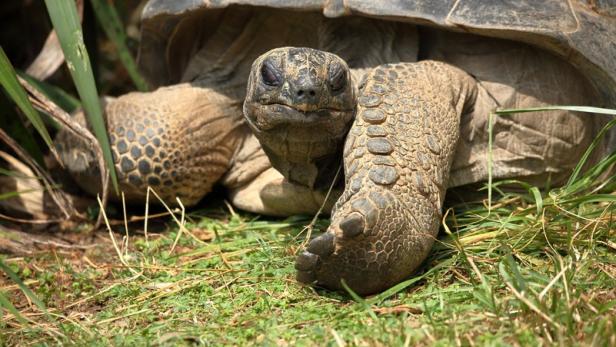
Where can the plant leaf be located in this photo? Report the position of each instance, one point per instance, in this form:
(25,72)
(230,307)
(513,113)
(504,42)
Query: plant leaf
(587,109)
(4,302)
(65,21)
(63,99)
(538,200)
(109,20)
(11,85)
(24,288)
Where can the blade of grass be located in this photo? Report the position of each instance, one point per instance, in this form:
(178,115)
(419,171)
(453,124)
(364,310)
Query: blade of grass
(24,288)
(377,299)
(69,123)
(4,196)
(65,21)
(538,200)
(591,148)
(358,299)
(8,79)
(50,57)
(63,99)
(490,134)
(11,173)
(109,20)
(58,196)
(4,302)
(587,109)
(15,125)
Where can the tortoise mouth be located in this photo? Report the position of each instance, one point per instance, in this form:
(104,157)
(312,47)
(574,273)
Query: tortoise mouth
(265,117)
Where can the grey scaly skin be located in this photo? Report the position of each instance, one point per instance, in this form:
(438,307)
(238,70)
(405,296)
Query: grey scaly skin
(397,156)
(300,104)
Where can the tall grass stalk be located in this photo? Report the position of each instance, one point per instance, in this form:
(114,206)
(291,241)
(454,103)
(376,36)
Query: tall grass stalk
(16,92)
(65,21)
(109,20)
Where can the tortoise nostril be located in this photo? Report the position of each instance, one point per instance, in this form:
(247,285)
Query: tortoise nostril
(303,93)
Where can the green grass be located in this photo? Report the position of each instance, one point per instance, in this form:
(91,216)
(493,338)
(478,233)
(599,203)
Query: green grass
(537,268)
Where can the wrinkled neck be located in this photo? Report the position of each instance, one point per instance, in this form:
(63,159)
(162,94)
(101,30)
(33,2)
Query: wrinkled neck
(307,152)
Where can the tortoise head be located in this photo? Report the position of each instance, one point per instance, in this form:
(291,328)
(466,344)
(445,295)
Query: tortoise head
(300,104)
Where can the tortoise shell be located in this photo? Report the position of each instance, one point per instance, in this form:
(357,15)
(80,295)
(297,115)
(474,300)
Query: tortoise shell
(582,32)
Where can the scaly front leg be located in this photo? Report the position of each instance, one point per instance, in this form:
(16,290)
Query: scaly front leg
(177,140)
(397,158)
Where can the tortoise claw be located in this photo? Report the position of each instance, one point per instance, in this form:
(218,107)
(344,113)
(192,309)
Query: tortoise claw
(323,245)
(306,277)
(352,225)
(306,261)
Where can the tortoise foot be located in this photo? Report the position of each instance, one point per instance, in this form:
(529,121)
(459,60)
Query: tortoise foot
(397,157)
(367,245)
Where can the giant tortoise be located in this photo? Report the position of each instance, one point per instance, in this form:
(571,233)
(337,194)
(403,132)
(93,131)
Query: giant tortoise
(268,97)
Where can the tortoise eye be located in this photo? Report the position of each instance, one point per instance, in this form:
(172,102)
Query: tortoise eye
(270,75)
(337,78)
